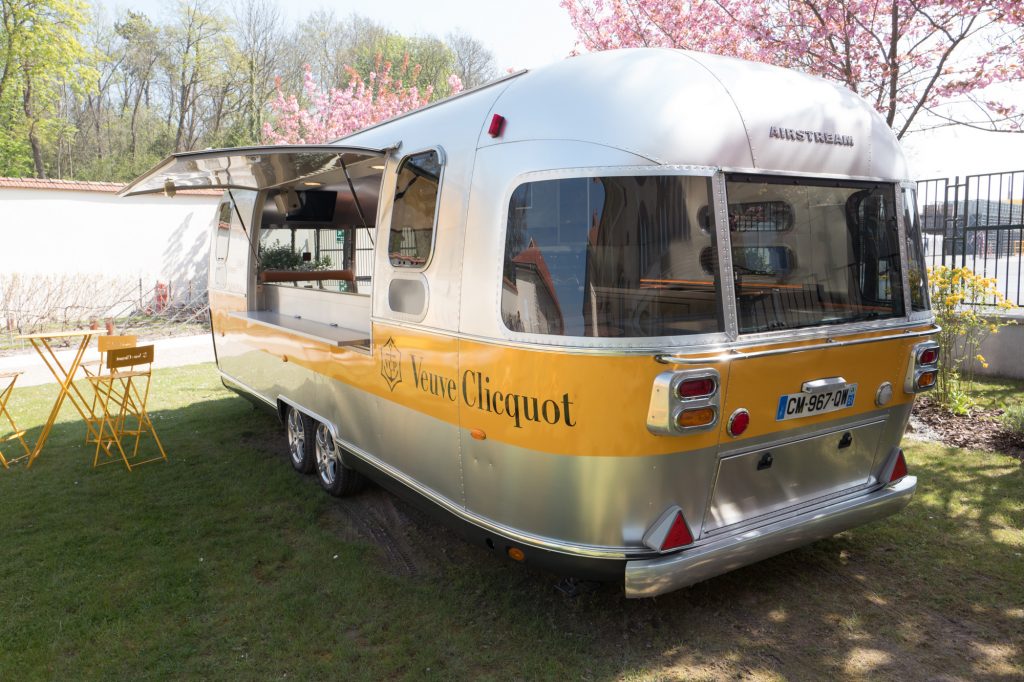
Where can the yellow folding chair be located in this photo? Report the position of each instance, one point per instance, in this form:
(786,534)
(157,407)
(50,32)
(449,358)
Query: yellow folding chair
(122,393)
(7,380)
(104,344)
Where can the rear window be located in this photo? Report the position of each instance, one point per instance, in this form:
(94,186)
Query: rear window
(836,261)
(610,257)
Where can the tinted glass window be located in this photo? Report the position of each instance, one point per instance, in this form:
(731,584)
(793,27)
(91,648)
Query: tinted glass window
(918,269)
(412,218)
(610,257)
(223,230)
(838,262)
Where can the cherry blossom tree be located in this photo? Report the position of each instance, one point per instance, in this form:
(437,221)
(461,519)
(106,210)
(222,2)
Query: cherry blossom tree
(325,115)
(921,63)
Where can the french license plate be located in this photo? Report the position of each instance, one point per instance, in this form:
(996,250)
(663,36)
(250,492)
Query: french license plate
(796,405)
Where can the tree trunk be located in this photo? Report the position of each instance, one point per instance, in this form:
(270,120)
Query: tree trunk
(37,152)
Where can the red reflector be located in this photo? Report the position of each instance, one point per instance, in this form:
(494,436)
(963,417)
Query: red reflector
(497,125)
(929,356)
(738,422)
(696,388)
(678,534)
(900,470)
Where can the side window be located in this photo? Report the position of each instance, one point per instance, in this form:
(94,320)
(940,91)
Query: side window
(415,210)
(223,231)
(915,253)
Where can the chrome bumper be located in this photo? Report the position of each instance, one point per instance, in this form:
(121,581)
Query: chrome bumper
(651,577)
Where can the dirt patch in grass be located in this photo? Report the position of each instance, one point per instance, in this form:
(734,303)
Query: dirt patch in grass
(407,542)
(980,429)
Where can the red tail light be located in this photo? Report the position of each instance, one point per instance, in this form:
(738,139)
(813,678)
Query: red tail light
(695,388)
(900,470)
(738,422)
(929,356)
(678,535)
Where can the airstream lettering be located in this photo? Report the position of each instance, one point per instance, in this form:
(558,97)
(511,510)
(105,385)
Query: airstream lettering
(602,316)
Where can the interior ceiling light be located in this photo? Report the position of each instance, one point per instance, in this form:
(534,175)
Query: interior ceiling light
(311,184)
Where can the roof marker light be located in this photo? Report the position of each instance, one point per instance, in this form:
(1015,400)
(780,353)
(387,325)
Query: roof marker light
(497,126)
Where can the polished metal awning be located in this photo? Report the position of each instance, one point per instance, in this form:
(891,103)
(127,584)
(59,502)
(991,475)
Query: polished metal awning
(251,168)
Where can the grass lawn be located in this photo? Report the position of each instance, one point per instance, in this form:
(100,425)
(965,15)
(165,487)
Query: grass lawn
(224,564)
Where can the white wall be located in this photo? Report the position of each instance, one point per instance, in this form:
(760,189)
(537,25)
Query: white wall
(155,238)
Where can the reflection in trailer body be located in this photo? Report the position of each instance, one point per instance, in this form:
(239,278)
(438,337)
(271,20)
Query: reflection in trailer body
(656,323)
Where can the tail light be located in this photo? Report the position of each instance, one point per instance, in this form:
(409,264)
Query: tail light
(923,368)
(695,388)
(738,422)
(695,418)
(669,532)
(683,402)
(900,469)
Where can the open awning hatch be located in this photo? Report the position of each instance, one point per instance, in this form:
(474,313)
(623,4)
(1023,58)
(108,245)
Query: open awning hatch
(252,168)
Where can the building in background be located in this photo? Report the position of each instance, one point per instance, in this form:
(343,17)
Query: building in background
(73,250)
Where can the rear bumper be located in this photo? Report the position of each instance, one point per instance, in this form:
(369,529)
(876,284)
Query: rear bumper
(651,577)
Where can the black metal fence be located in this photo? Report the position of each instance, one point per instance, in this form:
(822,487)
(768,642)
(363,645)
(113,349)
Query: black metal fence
(977,222)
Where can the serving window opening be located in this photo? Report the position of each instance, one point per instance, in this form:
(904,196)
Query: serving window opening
(320,235)
(610,257)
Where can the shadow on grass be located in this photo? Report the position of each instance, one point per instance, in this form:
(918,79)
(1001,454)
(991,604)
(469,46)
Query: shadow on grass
(224,563)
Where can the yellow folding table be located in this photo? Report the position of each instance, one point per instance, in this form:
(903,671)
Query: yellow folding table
(7,380)
(65,376)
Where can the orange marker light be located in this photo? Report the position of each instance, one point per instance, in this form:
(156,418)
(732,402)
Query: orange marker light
(701,416)
(926,379)
(478,434)
(516,554)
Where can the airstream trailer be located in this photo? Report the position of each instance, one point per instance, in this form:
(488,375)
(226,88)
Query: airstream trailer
(643,315)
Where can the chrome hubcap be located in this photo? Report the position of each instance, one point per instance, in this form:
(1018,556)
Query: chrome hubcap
(296,437)
(327,461)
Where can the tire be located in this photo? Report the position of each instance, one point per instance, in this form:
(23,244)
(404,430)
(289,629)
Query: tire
(336,478)
(301,432)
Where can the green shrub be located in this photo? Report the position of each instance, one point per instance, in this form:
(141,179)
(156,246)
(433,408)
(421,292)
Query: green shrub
(1013,418)
(957,295)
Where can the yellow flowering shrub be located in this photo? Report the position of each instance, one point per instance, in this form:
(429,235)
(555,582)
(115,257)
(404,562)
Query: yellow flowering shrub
(957,296)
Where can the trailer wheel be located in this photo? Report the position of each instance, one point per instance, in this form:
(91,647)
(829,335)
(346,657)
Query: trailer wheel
(334,476)
(301,433)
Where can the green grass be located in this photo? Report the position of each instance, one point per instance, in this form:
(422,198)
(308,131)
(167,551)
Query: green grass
(224,564)
(998,392)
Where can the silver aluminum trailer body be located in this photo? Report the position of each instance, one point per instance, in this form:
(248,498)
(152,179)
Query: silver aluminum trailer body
(633,226)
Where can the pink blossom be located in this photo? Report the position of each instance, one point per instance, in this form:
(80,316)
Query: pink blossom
(903,56)
(336,112)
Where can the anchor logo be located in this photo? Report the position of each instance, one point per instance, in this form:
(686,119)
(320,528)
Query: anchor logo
(391,363)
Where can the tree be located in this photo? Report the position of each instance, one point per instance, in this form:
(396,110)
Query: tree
(335,112)
(39,51)
(197,67)
(259,60)
(474,63)
(941,60)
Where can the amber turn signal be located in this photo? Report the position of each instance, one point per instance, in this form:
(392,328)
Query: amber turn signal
(516,554)
(701,416)
(926,379)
